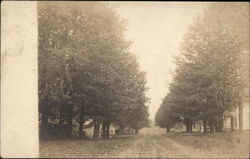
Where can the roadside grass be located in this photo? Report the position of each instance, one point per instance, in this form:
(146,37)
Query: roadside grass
(72,148)
(225,144)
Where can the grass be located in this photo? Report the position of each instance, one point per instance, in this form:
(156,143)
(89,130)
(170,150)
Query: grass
(226,144)
(216,145)
(84,148)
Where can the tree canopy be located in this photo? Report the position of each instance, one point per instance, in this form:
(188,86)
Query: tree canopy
(86,70)
(208,79)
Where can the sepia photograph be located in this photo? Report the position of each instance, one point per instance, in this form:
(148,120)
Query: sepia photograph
(134,79)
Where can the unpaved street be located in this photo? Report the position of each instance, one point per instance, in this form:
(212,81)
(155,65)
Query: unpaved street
(153,142)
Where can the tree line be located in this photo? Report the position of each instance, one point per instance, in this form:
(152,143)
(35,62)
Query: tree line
(86,70)
(212,69)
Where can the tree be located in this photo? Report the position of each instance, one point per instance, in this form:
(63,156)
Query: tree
(207,81)
(165,118)
(85,68)
(236,17)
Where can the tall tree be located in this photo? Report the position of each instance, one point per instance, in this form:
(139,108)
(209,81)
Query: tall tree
(208,78)
(85,68)
(236,17)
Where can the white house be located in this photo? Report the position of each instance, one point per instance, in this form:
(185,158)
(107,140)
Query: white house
(231,119)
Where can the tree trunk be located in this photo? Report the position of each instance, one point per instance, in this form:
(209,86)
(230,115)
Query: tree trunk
(204,126)
(211,126)
(136,131)
(104,129)
(108,128)
(45,113)
(168,129)
(61,115)
(191,126)
(199,127)
(96,128)
(44,130)
(241,117)
(188,125)
(44,119)
(81,123)
(61,121)
(220,123)
(70,118)
(121,130)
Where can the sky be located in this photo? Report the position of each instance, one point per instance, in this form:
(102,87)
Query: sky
(156,30)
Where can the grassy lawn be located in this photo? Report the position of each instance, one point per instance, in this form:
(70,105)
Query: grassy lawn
(227,144)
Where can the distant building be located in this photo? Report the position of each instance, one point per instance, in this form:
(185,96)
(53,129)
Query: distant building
(231,119)
(88,131)
(198,126)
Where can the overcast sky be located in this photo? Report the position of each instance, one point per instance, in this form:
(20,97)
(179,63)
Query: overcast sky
(156,29)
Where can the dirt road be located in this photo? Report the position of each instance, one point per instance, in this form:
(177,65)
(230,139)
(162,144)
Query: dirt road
(155,143)
(152,142)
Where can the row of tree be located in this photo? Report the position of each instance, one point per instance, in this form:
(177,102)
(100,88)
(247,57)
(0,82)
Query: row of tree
(212,70)
(86,70)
